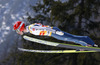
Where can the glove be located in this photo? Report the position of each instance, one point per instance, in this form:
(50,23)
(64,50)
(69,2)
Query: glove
(59,33)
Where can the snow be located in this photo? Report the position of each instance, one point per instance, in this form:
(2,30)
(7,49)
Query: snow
(10,12)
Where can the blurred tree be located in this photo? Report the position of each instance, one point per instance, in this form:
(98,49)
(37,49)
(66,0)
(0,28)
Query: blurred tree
(71,15)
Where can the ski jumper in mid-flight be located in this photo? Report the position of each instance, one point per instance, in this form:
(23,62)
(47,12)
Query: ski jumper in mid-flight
(45,30)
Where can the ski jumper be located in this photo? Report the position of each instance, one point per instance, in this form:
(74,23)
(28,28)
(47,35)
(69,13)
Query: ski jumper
(44,30)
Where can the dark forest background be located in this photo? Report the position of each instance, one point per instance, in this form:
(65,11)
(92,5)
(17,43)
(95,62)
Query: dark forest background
(78,17)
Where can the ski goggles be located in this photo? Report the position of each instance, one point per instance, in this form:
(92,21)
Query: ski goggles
(17,30)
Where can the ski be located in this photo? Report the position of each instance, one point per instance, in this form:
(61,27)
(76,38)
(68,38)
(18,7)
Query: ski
(60,44)
(53,51)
